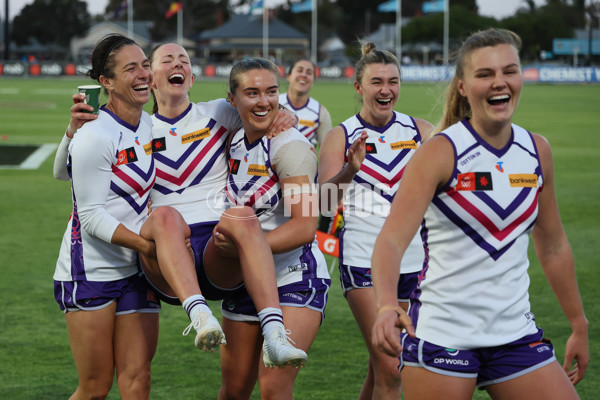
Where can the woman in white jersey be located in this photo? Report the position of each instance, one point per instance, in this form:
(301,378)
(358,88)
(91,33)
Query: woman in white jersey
(477,189)
(111,312)
(188,148)
(363,160)
(315,120)
(275,177)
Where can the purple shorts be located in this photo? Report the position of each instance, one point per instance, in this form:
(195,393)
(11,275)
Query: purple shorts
(131,294)
(311,294)
(201,234)
(358,278)
(489,365)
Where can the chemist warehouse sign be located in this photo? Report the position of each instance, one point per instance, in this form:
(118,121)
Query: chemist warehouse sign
(409,73)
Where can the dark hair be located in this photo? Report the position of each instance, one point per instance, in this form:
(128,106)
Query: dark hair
(249,64)
(302,59)
(103,56)
(457,107)
(370,55)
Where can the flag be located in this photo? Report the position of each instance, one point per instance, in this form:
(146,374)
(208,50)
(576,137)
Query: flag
(434,6)
(174,8)
(256,7)
(121,9)
(388,6)
(305,6)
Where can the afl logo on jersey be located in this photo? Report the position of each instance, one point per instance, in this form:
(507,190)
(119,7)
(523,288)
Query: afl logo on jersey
(471,181)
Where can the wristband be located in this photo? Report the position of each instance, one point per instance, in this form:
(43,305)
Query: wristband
(70,132)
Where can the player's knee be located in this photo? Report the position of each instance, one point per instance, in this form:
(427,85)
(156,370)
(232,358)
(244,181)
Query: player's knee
(96,389)
(239,221)
(234,391)
(169,219)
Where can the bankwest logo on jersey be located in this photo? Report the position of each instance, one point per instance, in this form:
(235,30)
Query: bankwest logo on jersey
(408,144)
(258,170)
(234,166)
(194,136)
(126,156)
(305,122)
(471,181)
(523,180)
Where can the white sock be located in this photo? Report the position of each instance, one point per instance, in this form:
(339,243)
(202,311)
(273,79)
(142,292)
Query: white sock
(195,304)
(271,319)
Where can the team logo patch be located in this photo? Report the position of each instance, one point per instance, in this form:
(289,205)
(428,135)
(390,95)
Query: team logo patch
(523,180)
(471,181)
(159,145)
(306,122)
(405,144)
(195,136)
(370,148)
(234,166)
(258,170)
(126,156)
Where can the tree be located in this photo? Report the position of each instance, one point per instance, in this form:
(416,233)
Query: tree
(51,22)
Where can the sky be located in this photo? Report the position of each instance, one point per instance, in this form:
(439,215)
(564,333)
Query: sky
(493,8)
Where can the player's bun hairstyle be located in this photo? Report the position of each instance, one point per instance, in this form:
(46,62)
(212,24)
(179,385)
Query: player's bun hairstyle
(249,64)
(103,56)
(457,107)
(370,55)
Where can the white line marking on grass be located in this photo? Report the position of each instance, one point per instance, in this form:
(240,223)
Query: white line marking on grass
(9,91)
(35,159)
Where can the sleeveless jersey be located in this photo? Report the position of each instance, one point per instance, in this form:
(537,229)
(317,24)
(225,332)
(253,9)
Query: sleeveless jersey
(191,166)
(368,199)
(253,182)
(111,177)
(308,116)
(473,292)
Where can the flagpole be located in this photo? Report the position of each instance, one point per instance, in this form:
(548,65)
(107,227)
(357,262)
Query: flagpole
(446,29)
(313,46)
(180,27)
(399,30)
(265,30)
(130,19)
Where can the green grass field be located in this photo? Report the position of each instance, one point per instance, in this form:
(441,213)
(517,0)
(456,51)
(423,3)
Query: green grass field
(35,358)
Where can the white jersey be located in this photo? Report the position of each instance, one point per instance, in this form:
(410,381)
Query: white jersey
(253,182)
(308,116)
(111,177)
(191,166)
(368,200)
(474,291)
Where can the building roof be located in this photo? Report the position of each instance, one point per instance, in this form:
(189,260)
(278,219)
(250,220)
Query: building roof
(249,26)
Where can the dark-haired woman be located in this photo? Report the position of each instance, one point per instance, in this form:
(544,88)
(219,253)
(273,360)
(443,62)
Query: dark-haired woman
(111,313)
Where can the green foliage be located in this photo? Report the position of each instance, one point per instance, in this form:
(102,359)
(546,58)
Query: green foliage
(34,348)
(51,22)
